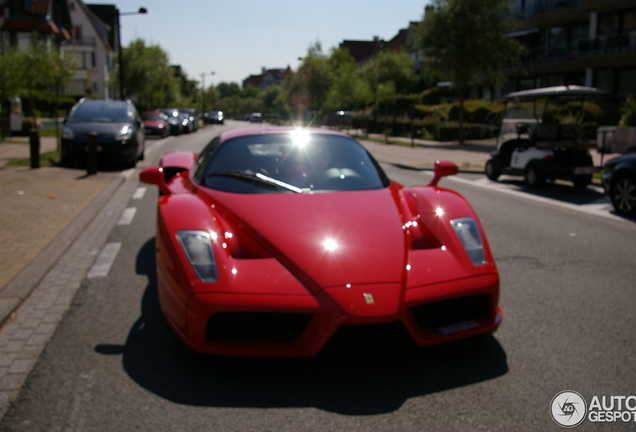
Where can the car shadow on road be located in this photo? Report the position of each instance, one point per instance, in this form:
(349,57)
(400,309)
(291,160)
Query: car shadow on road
(559,191)
(346,382)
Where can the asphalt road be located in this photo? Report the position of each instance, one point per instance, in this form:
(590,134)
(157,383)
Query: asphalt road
(567,291)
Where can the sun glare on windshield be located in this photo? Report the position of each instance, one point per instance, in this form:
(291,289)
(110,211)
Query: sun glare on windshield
(300,137)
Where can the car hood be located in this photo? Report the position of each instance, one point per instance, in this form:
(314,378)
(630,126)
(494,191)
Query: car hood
(153,123)
(326,239)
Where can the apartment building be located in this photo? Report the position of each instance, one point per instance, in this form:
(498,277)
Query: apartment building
(583,42)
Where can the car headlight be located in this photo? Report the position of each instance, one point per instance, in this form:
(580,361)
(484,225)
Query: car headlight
(468,234)
(125,133)
(68,133)
(197,246)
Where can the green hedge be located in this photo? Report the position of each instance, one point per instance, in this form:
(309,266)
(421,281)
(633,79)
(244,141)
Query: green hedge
(435,130)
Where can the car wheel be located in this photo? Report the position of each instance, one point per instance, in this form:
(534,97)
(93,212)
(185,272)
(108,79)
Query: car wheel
(491,171)
(623,195)
(534,176)
(582,181)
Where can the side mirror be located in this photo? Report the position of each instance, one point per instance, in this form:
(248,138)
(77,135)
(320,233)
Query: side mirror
(155,176)
(442,168)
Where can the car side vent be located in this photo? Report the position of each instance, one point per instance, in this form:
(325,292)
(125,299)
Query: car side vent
(257,326)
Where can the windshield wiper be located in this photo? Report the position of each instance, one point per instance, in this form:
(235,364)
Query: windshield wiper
(258,177)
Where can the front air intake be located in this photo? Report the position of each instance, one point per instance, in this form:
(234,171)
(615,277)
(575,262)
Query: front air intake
(257,326)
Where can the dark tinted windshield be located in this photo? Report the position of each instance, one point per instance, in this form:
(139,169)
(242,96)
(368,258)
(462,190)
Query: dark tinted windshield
(101,112)
(309,162)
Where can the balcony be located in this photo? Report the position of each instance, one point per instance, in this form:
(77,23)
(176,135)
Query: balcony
(609,44)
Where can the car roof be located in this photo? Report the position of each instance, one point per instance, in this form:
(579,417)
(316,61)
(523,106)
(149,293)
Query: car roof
(275,129)
(572,90)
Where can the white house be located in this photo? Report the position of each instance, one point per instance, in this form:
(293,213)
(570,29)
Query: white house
(93,51)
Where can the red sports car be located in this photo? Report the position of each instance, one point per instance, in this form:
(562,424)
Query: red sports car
(281,241)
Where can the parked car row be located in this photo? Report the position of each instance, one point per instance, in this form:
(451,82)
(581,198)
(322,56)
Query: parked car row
(180,120)
(213,117)
(121,130)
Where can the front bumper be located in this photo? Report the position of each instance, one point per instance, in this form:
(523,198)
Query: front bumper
(302,325)
(107,151)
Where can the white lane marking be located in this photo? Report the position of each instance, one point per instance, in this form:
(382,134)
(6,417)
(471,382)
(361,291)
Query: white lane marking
(139,192)
(601,207)
(127,216)
(104,260)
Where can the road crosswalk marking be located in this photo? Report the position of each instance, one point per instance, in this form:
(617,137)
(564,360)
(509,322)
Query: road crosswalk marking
(139,192)
(104,260)
(127,216)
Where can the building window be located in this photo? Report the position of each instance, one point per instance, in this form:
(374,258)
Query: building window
(628,23)
(554,80)
(578,33)
(608,24)
(604,80)
(627,82)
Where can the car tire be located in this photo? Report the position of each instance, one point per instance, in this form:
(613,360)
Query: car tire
(534,176)
(623,195)
(491,170)
(581,181)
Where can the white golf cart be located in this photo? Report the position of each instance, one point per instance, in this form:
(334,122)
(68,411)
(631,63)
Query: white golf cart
(541,137)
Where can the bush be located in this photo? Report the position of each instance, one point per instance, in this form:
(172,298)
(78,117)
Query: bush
(628,111)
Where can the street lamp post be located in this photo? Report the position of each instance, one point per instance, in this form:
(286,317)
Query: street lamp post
(203,90)
(141,11)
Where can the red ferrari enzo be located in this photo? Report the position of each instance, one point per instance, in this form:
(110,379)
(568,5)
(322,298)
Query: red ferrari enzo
(281,241)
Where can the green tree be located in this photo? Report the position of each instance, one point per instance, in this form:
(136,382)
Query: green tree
(463,39)
(210,98)
(148,76)
(40,68)
(307,89)
(10,79)
(348,90)
(228,89)
(388,75)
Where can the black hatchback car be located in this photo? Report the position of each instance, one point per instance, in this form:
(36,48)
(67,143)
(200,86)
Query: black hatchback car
(120,132)
(619,182)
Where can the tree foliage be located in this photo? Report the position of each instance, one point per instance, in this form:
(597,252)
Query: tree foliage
(348,89)
(38,70)
(148,77)
(388,74)
(463,39)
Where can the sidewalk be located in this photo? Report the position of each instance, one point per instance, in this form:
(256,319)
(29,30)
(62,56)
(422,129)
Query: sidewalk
(40,216)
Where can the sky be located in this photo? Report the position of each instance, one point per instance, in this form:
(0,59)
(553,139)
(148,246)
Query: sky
(237,38)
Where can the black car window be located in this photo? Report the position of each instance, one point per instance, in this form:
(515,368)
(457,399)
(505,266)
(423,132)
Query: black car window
(102,112)
(298,162)
(204,157)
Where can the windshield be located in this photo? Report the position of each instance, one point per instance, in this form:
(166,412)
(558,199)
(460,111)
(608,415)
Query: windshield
(102,112)
(289,162)
(155,117)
